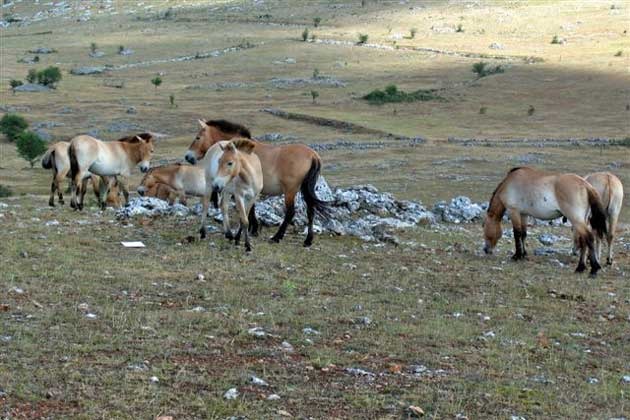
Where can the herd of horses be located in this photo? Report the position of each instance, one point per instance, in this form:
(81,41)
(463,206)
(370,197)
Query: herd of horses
(227,163)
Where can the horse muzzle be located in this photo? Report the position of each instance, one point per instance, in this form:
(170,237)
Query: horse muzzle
(144,168)
(487,250)
(141,190)
(216,189)
(190,158)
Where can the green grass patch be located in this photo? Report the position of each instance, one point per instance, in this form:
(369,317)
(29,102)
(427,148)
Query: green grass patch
(392,94)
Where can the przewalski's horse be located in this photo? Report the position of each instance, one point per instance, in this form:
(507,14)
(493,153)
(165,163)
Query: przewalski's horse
(287,169)
(232,169)
(181,180)
(91,156)
(529,192)
(56,158)
(610,191)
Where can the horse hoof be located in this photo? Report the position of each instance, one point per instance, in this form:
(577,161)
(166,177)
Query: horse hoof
(51,204)
(580,268)
(308,243)
(274,240)
(202,233)
(61,202)
(517,257)
(609,261)
(248,248)
(229,236)
(593,274)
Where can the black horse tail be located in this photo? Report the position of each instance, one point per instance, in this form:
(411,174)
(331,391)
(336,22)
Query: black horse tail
(74,164)
(322,208)
(598,214)
(48,160)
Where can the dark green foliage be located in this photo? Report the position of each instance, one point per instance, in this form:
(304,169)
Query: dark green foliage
(5,191)
(317,21)
(12,125)
(460,28)
(392,94)
(15,83)
(531,110)
(157,81)
(555,39)
(305,35)
(49,76)
(171,100)
(363,38)
(619,53)
(121,48)
(30,146)
(93,47)
(483,110)
(482,69)
(314,95)
(315,73)
(412,33)
(623,142)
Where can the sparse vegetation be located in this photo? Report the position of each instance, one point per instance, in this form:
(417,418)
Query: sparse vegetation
(30,146)
(50,76)
(619,53)
(15,83)
(156,81)
(317,21)
(5,191)
(305,35)
(171,100)
(392,94)
(31,77)
(625,142)
(482,69)
(36,59)
(315,73)
(121,48)
(483,110)
(12,125)
(412,33)
(460,28)
(93,47)
(556,40)
(531,110)
(314,95)
(363,38)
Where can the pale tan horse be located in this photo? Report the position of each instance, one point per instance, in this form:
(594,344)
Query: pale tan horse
(287,169)
(181,180)
(91,156)
(232,169)
(529,192)
(610,191)
(56,158)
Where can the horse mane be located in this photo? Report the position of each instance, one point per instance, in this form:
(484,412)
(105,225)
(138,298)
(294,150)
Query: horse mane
(230,128)
(496,190)
(244,145)
(133,139)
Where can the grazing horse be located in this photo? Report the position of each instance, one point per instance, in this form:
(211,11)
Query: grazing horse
(176,180)
(232,169)
(287,169)
(610,190)
(91,156)
(56,158)
(529,192)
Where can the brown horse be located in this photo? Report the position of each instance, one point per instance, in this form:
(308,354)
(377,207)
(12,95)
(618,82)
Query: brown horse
(529,192)
(287,169)
(56,158)
(610,190)
(91,156)
(232,169)
(175,180)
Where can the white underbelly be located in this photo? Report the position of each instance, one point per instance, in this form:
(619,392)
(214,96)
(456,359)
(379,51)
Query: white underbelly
(104,168)
(541,205)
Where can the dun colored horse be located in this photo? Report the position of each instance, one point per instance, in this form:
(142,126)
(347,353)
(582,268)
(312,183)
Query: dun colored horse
(232,169)
(610,191)
(287,169)
(56,158)
(176,180)
(529,192)
(91,156)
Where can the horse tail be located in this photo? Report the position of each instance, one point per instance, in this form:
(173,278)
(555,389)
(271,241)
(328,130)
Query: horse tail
(49,159)
(598,214)
(74,163)
(308,190)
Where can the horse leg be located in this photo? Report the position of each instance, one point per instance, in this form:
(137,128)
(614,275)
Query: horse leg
(310,212)
(253,221)
(122,182)
(610,236)
(204,214)
(84,182)
(103,189)
(289,205)
(580,240)
(57,182)
(524,219)
(243,214)
(225,208)
(74,191)
(53,186)
(516,228)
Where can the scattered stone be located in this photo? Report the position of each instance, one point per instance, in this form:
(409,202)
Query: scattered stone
(415,411)
(140,367)
(90,315)
(592,381)
(82,71)
(543,252)
(255,380)
(198,309)
(360,372)
(16,290)
(201,277)
(286,346)
(122,127)
(52,223)
(154,379)
(257,332)
(126,51)
(32,87)
(287,60)
(43,134)
(43,50)
(131,110)
(460,210)
(496,46)
(273,397)
(548,239)
(291,83)
(97,54)
(231,394)
(274,137)
(625,379)
(310,331)
(363,320)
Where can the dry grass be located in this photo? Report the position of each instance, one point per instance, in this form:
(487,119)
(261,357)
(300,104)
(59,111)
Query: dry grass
(535,365)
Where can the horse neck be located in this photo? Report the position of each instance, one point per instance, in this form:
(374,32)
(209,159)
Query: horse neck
(496,208)
(132,151)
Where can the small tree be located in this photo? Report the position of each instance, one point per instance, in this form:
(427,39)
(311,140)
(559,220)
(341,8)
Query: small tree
(157,81)
(316,74)
(121,48)
(12,125)
(49,76)
(93,47)
(531,110)
(36,59)
(314,95)
(15,83)
(317,21)
(362,39)
(412,33)
(460,28)
(171,99)
(30,146)
(31,77)
(305,35)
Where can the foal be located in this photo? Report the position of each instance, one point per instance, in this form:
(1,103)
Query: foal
(610,190)
(287,169)
(91,156)
(529,192)
(231,169)
(180,180)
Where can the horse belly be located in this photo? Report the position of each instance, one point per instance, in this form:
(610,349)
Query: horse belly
(541,206)
(104,168)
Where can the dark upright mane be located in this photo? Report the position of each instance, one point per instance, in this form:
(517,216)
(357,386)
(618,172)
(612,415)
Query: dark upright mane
(229,127)
(133,139)
(501,207)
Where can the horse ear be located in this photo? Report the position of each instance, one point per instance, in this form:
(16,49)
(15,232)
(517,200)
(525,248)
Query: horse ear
(141,139)
(244,145)
(232,146)
(202,123)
